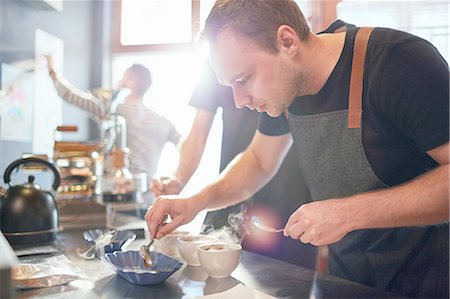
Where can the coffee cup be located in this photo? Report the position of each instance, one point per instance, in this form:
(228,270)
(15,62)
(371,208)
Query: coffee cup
(218,259)
(169,243)
(187,245)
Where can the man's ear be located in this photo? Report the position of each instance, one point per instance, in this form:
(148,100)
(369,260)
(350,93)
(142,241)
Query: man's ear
(287,39)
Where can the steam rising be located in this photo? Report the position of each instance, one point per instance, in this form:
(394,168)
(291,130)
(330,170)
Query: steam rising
(235,232)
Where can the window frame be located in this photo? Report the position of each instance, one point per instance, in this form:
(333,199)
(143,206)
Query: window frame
(119,48)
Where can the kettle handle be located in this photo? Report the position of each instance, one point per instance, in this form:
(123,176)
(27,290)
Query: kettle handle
(13,165)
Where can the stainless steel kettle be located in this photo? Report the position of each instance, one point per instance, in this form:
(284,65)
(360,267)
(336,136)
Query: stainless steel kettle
(29,215)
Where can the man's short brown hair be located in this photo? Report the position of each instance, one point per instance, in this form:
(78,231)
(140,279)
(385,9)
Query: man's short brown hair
(257,20)
(142,76)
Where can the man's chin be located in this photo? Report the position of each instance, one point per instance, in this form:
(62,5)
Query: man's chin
(273,113)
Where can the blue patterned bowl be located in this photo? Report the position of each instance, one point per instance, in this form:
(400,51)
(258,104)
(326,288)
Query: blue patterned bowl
(120,240)
(130,265)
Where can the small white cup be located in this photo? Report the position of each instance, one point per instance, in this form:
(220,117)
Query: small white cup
(169,243)
(219,260)
(187,245)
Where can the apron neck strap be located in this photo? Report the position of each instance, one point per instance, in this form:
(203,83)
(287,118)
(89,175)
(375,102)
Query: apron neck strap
(357,77)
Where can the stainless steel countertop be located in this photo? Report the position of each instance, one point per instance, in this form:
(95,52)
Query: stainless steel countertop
(270,276)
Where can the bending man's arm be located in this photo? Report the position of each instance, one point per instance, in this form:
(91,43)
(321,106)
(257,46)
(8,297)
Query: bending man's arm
(421,201)
(245,175)
(191,152)
(249,171)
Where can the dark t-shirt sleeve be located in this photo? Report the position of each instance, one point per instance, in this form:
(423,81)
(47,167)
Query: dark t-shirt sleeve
(273,126)
(207,93)
(416,99)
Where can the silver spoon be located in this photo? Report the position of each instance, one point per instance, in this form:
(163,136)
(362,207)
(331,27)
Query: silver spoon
(144,252)
(90,253)
(102,240)
(258,223)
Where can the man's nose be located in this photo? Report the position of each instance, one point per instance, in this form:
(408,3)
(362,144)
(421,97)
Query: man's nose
(241,99)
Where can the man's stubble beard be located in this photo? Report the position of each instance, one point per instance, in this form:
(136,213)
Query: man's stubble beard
(294,86)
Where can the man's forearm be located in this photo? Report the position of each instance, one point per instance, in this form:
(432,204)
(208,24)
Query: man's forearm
(422,201)
(248,172)
(240,180)
(81,99)
(193,146)
(190,156)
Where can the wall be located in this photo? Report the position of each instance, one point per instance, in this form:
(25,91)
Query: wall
(73,25)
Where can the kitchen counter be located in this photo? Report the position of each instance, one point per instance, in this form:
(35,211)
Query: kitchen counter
(264,274)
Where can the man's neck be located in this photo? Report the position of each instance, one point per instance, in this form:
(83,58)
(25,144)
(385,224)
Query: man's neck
(133,99)
(322,53)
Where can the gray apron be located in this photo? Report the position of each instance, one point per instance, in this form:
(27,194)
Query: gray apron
(332,159)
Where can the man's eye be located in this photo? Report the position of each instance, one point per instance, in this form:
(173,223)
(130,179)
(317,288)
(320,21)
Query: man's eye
(241,81)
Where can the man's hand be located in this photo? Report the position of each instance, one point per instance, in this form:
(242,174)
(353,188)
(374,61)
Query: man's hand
(177,210)
(50,66)
(319,223)
(164,185)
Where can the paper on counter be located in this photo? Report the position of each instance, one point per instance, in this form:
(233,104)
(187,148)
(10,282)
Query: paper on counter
(239,291)
(49,272)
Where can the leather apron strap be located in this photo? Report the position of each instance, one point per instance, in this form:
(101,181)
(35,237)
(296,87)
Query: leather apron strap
(357,77)
(354,107)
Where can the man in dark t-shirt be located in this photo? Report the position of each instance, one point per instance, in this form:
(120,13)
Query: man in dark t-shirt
(405,83)
(368,112)
(405,114)
(239,126)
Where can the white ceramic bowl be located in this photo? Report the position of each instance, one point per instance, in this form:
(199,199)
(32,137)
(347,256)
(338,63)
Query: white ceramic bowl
(169,243)
(187,245)
(219,260)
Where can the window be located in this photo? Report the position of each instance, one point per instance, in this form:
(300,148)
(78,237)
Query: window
(155,22)
(427,19)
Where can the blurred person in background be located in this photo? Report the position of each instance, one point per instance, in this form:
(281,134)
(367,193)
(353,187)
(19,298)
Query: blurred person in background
(147,131)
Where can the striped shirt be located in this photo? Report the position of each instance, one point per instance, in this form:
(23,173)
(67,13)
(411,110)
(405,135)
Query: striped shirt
(147,131)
